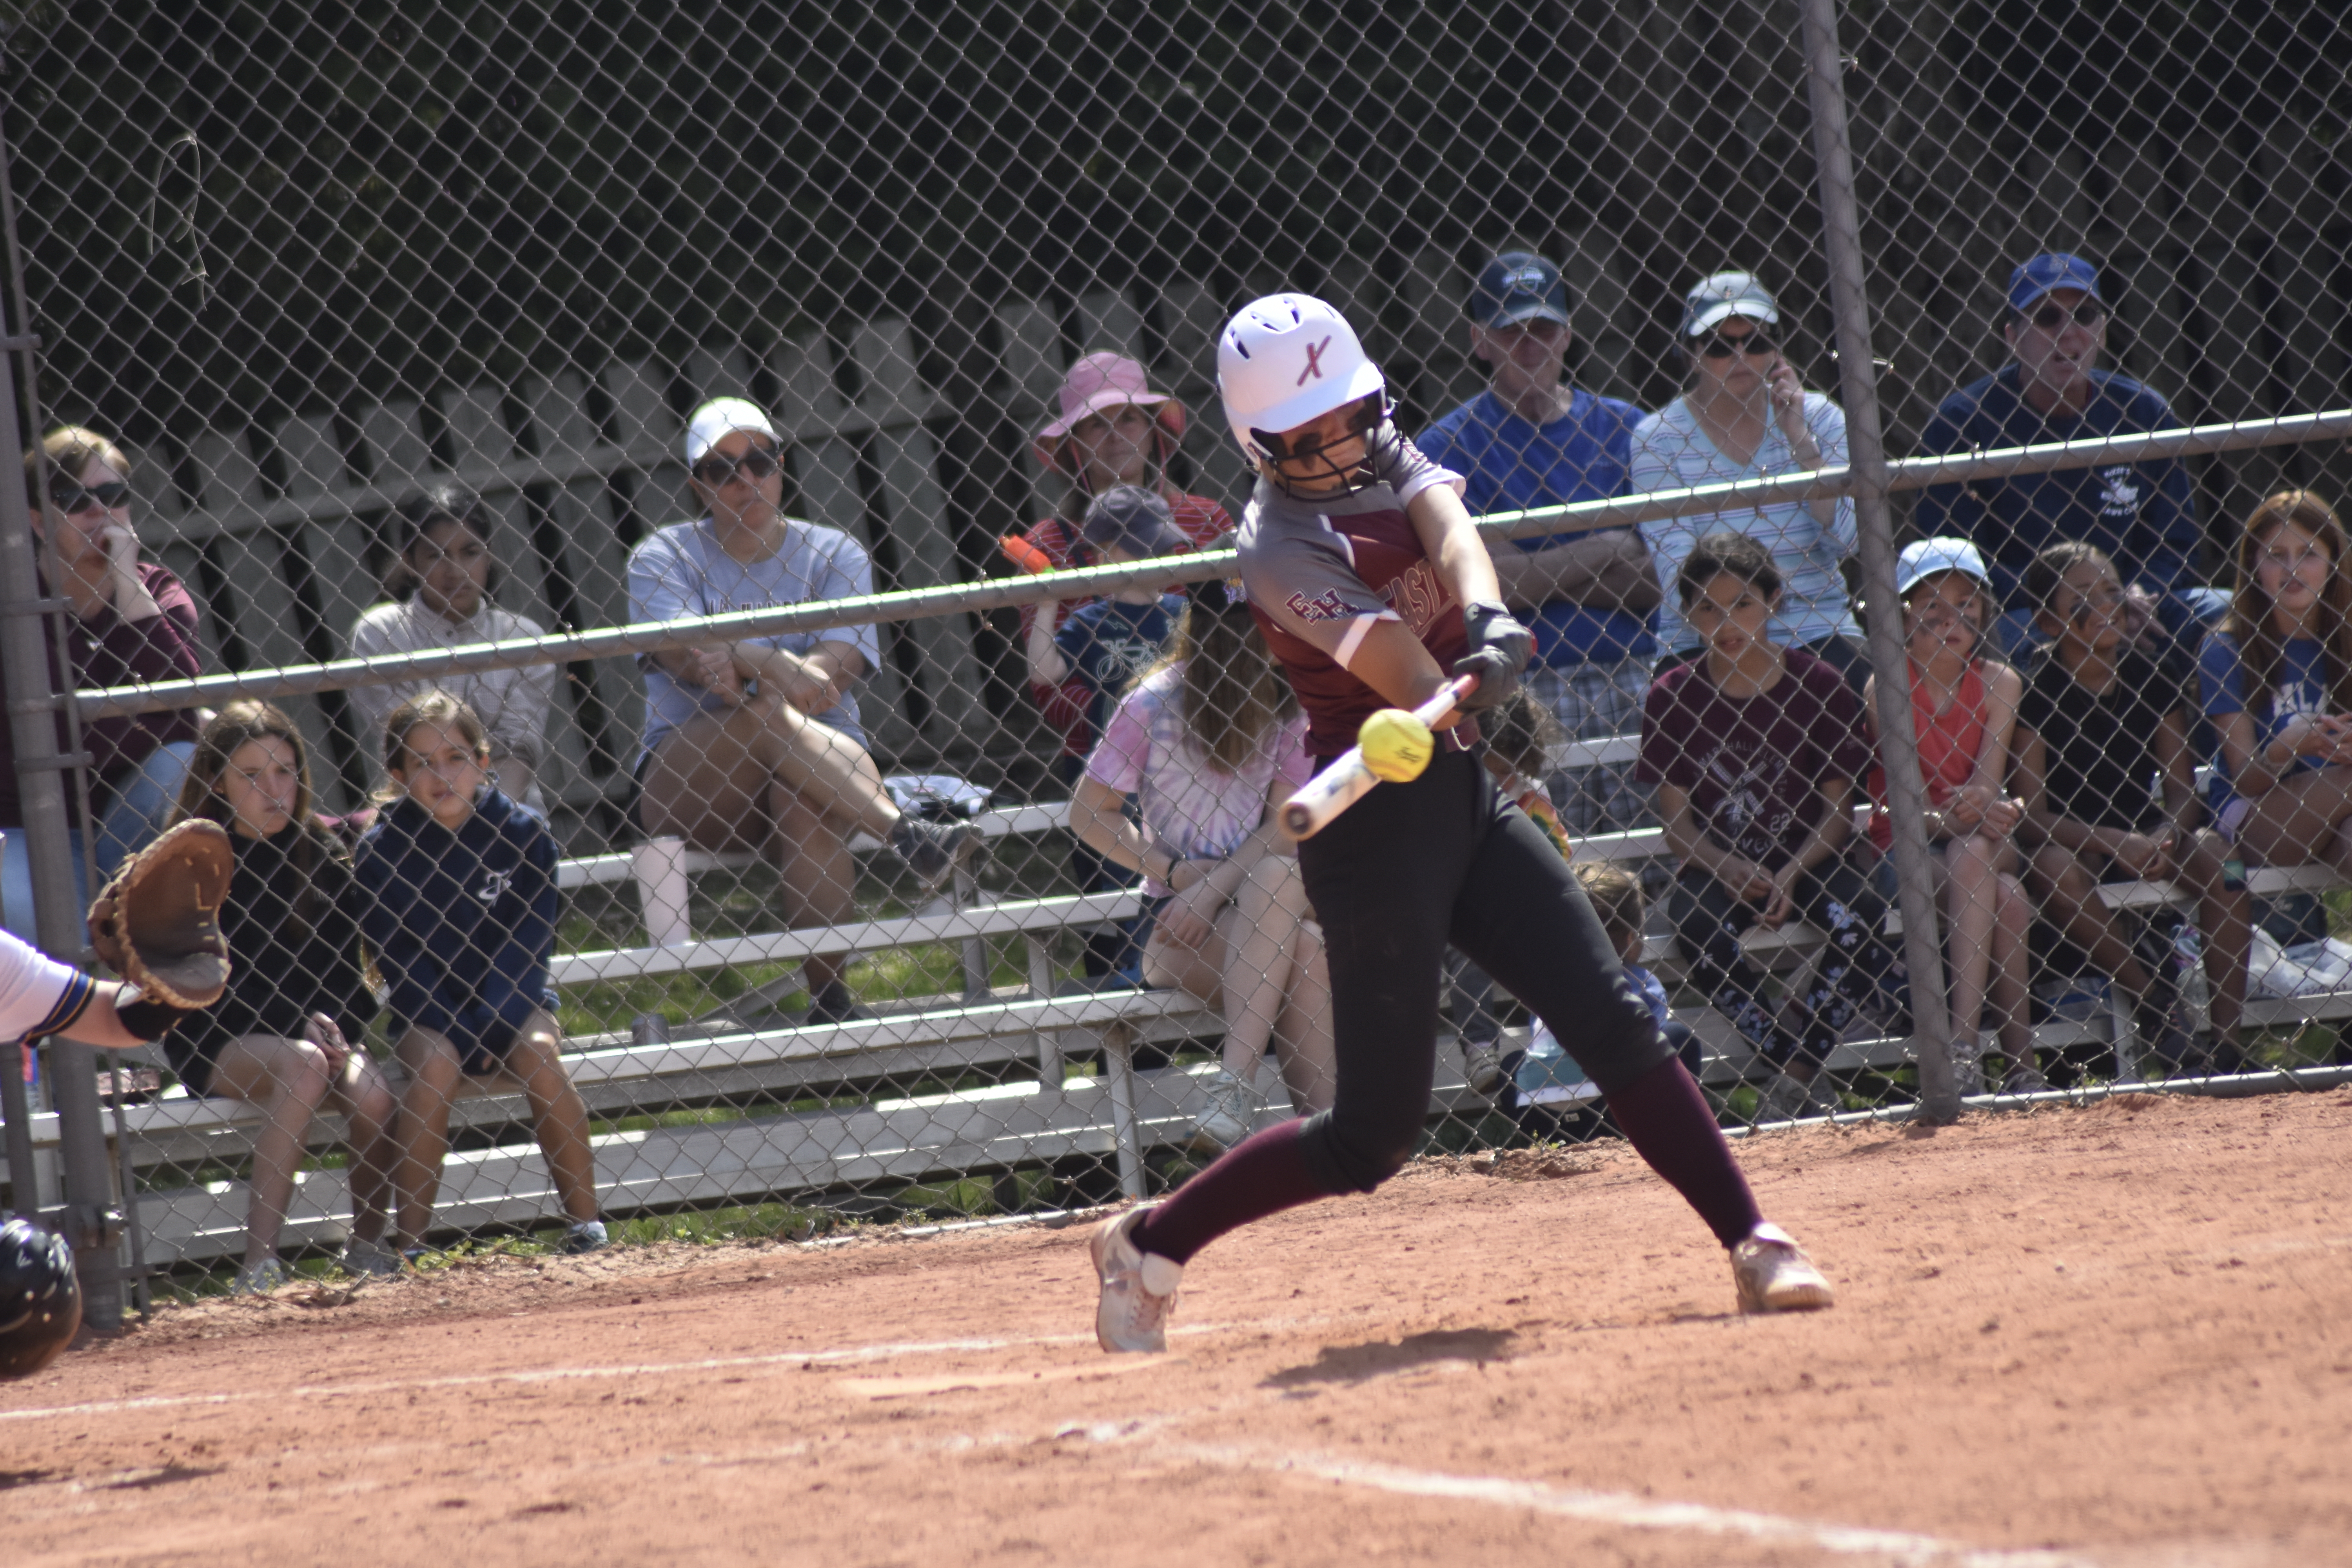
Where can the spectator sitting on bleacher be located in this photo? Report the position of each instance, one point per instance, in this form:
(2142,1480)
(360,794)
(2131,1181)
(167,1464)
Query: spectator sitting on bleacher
(2277,682)
(282,1038)
(1964,714)
(1745,415)
(1533,439)
(1098,653)
(1754,749)
(2141,514)
(2100,718)
(1210,744)
(460,887)
(1111,430)
(442,584)
(757,741)
(130,622)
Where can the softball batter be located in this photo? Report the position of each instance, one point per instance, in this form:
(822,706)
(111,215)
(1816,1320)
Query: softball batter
(1371,586)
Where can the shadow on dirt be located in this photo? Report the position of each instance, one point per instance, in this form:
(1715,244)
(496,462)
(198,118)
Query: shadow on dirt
(1383,1358)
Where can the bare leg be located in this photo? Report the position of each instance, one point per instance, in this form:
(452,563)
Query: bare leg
(766,777)
(2302,819)
(366,1100)
(286,1078)
(2011,972)
(2070,901)
(820,877)
(2225,919)
(1260,931)
(1302,1039)
(557,1113)
(713,773)
(433,1073)
(1971,910)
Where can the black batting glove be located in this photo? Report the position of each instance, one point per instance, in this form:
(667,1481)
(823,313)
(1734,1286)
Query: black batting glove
(1499,650)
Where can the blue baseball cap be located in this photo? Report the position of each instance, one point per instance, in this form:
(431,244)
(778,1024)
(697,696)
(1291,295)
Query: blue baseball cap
(2049,273)
(1133,518)
(1516,288)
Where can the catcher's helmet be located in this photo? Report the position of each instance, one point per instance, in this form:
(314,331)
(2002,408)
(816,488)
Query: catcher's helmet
(1285,360)
(40,1301)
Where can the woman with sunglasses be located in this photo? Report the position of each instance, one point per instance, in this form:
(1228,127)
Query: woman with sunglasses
(131,621)
(756,742)
(1744,415)
(441,586)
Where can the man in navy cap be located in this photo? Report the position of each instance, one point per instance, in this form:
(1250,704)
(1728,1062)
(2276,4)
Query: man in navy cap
(2141,514)
(1531,439)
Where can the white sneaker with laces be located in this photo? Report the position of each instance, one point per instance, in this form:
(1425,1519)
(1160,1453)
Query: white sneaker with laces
(1139,1288)
(1482,1064)
(1773,1274)
(1232,1111)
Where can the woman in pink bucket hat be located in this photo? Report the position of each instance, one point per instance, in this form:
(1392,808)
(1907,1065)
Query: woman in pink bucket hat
(1112,429)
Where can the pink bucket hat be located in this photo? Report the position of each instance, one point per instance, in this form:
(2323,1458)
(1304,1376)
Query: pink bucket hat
(1099,381)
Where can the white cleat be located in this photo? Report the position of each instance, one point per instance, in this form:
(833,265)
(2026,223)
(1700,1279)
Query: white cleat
(1139,1288)
(1774,1275)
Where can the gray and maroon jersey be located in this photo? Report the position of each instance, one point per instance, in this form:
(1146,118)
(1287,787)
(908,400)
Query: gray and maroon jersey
(1321,574)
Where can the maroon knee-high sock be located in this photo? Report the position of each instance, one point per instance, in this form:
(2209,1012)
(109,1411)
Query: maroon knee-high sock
(1666,1118)
(1260,1175)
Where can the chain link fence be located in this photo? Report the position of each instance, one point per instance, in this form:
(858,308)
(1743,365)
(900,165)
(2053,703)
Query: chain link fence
(395,318)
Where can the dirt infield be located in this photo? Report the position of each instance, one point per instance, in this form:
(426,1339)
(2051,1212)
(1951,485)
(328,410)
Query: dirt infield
(2115,1335)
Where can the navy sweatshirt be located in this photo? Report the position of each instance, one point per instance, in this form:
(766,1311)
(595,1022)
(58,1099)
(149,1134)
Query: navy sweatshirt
(463,923)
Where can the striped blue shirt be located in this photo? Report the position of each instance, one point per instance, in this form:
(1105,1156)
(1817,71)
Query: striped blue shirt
(1671,452)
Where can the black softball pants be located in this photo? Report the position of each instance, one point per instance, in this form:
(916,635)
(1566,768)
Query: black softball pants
(1393,879)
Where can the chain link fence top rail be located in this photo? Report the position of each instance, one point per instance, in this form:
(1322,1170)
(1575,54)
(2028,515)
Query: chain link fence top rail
(306,265)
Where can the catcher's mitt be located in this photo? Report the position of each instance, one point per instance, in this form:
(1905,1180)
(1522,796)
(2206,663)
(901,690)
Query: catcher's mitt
(158,922)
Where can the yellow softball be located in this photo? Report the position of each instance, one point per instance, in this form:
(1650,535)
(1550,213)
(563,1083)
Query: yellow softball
(1396,745)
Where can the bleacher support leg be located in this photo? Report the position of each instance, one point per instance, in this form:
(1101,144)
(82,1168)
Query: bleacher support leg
(1119,1063)
(975,948)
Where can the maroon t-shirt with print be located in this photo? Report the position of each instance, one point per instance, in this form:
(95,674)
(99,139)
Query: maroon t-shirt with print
(1753,766)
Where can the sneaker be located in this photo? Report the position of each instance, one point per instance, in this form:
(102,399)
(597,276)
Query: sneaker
(1232,1111)
(831,1002)
(361,1257)
(1789,1098)
(1967,1075)
(260,1279)
(584,1235)
(2024,1077)
(1773,1274)
(1139,1288)
(933,848)
(1481,1063)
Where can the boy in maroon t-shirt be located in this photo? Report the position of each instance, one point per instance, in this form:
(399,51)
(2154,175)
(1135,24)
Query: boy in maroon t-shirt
(1755,749)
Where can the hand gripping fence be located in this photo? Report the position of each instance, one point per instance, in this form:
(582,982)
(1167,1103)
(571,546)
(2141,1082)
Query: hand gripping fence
(831,886)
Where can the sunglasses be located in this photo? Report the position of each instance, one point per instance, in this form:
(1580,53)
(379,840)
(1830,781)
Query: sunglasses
(1721,347)
(2053,317)
(1363,419)
(70,499)
(752,467)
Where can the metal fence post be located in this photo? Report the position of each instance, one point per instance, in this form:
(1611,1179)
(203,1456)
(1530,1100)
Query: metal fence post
(1867,455)
(89,1215)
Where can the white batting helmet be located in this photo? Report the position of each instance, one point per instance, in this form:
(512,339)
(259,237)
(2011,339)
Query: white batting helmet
(1285,360)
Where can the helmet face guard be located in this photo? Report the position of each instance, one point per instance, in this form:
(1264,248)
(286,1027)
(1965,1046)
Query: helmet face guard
(1303,469)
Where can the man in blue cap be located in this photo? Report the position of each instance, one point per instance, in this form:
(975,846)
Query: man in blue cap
(1531,439)
(2141,514)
